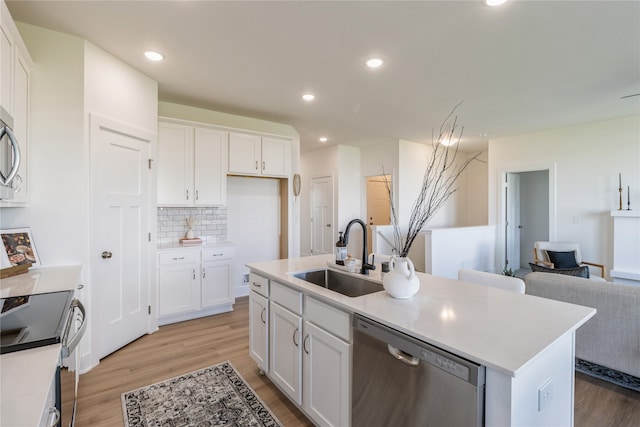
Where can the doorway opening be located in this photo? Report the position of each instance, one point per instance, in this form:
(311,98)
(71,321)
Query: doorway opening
(527,216)
(378,203)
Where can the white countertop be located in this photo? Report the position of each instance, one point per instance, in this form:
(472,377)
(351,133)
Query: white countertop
(41,281)
(26,376)
(502,330)
(26,380)
(205,244)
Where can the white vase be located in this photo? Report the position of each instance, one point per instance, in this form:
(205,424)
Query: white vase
(401,281)
(190,234)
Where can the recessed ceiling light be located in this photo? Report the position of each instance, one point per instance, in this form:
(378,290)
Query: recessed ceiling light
(323,139)
(154,56)
(495,2)
(448,142)
(374,62)
(308,97)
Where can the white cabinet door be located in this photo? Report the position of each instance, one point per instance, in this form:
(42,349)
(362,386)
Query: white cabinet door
(244,154)
(216,284)
(6,61)
(175,162)
(326,377)
(210,167)
(275,156)
(285,359)
(179,288)
(259,330)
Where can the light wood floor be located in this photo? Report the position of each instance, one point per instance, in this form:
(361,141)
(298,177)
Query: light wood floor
(188,346)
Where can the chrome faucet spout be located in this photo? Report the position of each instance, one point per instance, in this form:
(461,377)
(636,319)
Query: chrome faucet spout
(365,265)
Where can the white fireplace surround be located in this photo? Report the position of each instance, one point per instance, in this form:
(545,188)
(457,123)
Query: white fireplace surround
(626,247)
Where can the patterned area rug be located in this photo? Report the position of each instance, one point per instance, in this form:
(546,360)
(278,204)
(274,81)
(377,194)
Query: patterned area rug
(610,375)
(213,396)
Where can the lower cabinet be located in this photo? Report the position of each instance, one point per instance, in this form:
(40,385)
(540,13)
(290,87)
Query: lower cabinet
(309,349)
(194,282)
(286,352)
(259,330)
(327,385)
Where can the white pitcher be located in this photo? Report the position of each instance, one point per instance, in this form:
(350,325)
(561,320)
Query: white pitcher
(401,281)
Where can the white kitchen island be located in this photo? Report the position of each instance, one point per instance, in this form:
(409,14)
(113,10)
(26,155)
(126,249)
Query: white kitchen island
(526,343)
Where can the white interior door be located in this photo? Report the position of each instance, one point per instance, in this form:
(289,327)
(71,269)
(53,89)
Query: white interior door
(322,236)
(512,226)
(119,233)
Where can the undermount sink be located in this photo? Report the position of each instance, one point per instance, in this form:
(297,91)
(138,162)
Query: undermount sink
(344,284)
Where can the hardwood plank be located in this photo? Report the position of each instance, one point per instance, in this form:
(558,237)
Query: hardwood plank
(187,346)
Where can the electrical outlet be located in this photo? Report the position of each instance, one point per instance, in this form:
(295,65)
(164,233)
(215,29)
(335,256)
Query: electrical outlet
(545,394)
(245,279)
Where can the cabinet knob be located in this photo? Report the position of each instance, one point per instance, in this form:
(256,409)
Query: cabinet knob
(106,255)
(256,165)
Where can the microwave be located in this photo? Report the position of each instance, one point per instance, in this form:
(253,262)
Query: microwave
(9,156)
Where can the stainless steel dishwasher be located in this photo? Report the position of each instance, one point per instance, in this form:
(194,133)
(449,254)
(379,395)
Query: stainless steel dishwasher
(401,381)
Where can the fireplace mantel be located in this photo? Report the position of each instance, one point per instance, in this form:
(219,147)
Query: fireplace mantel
(626,247)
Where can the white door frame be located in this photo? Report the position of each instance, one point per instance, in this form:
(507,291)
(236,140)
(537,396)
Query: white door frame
(502,204)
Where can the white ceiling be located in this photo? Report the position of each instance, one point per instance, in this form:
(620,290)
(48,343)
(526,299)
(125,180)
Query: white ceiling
(526,66)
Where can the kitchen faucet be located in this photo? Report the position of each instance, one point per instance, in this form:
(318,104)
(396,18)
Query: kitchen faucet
(365,266)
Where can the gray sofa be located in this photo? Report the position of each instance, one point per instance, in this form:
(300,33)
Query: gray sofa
(611,337)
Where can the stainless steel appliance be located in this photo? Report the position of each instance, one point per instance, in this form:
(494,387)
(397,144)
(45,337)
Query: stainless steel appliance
(9,156)
(31,321)
(401,381)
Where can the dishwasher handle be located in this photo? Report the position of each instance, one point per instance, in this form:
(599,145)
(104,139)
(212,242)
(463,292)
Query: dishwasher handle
(405,358)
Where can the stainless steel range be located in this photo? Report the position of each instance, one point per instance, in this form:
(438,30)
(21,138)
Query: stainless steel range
(38,320)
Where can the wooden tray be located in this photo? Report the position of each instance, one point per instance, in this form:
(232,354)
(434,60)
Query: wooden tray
(16,269)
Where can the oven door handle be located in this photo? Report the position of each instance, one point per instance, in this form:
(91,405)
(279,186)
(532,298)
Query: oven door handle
(69,345)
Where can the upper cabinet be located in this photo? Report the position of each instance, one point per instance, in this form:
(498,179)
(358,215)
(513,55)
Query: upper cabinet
(15,81)
(191,165)
(259,155)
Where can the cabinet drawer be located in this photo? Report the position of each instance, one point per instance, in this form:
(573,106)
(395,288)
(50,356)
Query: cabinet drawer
(217,254)
(286,297)
(329,318)
(181,257)
(259,284)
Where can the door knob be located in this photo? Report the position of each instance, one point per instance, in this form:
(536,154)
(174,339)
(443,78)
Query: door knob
(106,255)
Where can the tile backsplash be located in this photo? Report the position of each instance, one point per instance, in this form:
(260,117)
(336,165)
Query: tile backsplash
(210,223)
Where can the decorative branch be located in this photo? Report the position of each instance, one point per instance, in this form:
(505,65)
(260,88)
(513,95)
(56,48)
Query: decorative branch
(438,183)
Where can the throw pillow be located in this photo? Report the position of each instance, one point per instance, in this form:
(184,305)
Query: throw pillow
(563,259)
(578,272)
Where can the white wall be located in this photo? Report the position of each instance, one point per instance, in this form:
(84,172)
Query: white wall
(253,220)
(70,79)
(58,210)
(314,164)
(342,163)
(585,161)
